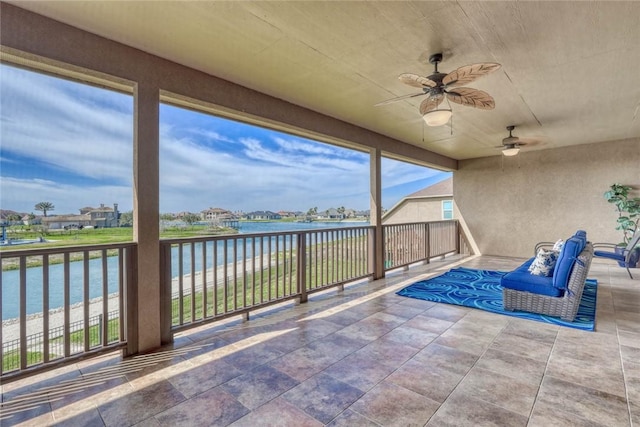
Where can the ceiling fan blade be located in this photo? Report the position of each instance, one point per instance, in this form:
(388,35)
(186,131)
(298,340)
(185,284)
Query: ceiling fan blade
(431,103)
(469,73)
(472,98)
(400,98)
(416,80)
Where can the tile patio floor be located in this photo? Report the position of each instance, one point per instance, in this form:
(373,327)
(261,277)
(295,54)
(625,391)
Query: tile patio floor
(364,357)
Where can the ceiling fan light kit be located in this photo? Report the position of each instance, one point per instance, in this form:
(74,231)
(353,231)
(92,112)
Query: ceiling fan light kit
(510,151)
(437,117)
(511,145)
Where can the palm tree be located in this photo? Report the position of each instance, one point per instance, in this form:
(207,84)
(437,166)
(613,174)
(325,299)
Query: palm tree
(45,207)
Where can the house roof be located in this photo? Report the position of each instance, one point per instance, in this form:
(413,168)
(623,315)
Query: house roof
(440,189)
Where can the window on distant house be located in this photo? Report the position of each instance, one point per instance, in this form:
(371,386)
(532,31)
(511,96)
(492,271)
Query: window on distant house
(447,209)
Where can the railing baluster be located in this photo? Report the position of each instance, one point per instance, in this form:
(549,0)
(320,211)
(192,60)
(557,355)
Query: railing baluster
(104,333)
(244,272)
(215,279)
(269,265)
(85,302)
(235,275)
(121,303)
(23,312)
(225,277)
(261,268)
(193,281)
(253,272)
(204,280)
(45,308)
(67,303)
(180,284)
(277,262)
(291,262)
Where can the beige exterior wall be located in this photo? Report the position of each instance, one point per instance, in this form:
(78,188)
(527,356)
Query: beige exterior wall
(416,210)
(544,195)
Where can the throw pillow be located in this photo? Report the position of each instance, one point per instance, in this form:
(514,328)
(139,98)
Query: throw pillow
(557,246)
(544,263)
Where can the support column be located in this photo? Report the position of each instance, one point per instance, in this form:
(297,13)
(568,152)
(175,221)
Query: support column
(375,186)
(146,208)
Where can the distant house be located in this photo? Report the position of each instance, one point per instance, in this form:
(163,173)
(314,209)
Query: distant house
(31,219)
(102,217)
(182,214)
(220,217)
(363,214)
(287,214)
(332,213)
(350,213)
(432,203)
(262,215)
(216,214)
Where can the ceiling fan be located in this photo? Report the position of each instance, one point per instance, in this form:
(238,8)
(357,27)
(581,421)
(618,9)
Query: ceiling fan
(438,85)
(511,145)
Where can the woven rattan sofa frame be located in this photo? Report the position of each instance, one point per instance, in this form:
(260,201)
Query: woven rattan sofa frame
(565,306)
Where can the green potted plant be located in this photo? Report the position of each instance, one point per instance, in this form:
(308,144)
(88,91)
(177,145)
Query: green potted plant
(628,221)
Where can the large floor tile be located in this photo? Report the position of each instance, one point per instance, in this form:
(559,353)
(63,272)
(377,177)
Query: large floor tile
(140,404)
(277,412)
(213,407)
(462,410)
(518,367)
(500,390)
(391,405)
(323,397)
(603,408)
(258,386)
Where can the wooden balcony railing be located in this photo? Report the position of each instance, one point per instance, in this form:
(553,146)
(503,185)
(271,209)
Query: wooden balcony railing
(60,304)
(210,278)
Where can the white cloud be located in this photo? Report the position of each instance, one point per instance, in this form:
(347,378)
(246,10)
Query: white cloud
(68,129)
(76,130)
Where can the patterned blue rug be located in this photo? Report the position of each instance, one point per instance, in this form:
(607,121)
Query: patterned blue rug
(481,289)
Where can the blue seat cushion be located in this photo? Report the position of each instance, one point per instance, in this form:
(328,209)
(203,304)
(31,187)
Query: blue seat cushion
(566,260)
(521,280)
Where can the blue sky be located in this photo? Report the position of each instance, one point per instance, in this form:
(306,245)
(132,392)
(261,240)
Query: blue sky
(71,145)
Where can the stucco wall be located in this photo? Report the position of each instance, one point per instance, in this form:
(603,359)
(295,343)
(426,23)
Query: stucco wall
(544,195)
(416,210)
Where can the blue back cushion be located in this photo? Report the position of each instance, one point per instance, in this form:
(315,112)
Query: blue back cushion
(582,235)
(568,255)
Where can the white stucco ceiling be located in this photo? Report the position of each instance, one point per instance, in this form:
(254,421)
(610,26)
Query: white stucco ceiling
(569,69)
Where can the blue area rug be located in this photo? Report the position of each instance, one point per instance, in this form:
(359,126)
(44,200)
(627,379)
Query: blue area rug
(481,289)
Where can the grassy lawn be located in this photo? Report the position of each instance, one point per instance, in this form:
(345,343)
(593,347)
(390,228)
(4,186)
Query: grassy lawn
(11,359)
(98,236)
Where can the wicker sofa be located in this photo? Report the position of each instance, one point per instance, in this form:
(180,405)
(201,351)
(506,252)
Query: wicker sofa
(558,295)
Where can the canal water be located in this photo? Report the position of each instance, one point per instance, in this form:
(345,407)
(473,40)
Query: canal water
(11,281)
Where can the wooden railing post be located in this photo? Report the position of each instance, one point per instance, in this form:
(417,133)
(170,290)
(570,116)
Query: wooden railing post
(166,336)
(427,247)
(131,300)
(371,252)
(458,237)
(301,278)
